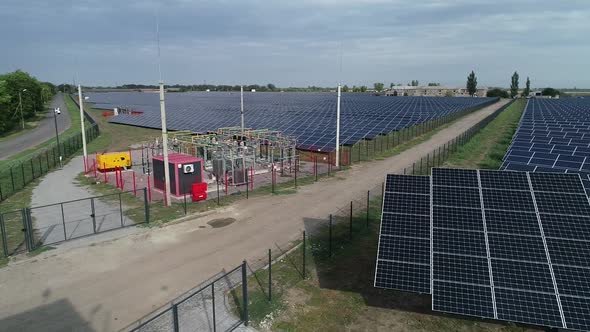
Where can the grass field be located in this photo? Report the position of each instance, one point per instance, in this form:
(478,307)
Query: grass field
(487,148)
(338,293)
(117,137)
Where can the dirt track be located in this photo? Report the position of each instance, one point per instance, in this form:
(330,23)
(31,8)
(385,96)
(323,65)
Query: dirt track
(106,286)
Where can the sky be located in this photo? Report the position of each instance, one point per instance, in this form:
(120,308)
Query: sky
(298,42)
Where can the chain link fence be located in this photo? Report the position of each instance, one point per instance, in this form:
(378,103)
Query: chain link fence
(208,307)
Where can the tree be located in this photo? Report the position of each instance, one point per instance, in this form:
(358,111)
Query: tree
(363,89)
(514,85)
(395,93)
(551,92)
(414,83)
(497,92)
(433,84)
(271,86)
(378,87)
(472,84)
(391,85)
(345,88)
(527,89)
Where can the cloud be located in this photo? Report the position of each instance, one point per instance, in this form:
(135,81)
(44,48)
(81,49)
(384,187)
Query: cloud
(298,42)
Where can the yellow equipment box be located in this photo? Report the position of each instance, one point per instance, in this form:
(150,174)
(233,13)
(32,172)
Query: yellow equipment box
(110,161)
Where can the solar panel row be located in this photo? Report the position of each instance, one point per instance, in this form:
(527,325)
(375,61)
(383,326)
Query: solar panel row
(553,136)
(512,246)
(310,117)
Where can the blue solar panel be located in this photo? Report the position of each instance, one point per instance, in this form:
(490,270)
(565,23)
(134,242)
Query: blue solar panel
(554,134)
(310,117)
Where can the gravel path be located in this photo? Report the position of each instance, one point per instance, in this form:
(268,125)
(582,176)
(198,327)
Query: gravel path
(55,223)
(44,132)
(105,287)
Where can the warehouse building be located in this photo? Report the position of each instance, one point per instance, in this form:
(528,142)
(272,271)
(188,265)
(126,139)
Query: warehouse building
(432,91)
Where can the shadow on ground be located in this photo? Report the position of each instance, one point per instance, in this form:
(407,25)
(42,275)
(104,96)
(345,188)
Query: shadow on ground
(55,316)
(352,269)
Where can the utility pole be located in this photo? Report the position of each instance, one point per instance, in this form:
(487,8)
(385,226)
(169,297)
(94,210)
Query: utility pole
(165,143)
(242,107)
(81,102)
(163,119)
(338,128)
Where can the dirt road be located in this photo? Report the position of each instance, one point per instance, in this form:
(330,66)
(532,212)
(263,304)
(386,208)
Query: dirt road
(44,132)
(106,286)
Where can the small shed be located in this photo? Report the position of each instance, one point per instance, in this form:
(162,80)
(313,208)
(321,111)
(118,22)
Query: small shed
(184,171)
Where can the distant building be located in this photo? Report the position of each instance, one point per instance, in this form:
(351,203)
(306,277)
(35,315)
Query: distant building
(432,91)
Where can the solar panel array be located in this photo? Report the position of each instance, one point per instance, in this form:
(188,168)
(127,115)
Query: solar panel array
(403,258)
(310,117)
(553,136)
(513,246)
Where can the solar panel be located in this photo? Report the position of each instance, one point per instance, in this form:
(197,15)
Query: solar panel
(520,253)
(403,259)
(526,262)
(553,135)
(310,117)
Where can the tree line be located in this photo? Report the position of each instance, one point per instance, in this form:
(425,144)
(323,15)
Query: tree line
(21,93)
(513,91)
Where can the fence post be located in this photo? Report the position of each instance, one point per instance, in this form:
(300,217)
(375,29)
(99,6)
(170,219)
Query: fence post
(26,229)
(330,237)
(63,220)
(217,191)
(244,294)
(93,215)
(12,179)
(269,276)
(4,236)
(350,226)
(121,209)
(304,274)
(22,167)
(213,304)
(368,204)
(146,206)
(175,317)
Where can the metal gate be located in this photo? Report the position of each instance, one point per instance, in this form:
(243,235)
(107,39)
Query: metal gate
(30,228)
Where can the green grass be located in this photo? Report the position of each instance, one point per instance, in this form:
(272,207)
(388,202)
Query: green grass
(486,149)
(13,219)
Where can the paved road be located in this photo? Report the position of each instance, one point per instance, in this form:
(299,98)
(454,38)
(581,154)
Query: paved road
(107,285)
(45,130)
